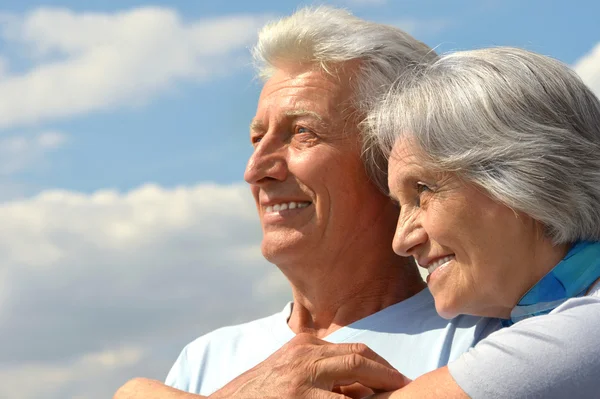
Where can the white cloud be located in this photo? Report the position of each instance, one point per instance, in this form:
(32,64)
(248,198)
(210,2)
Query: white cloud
(98,288)
(39,380)
(21,152)
(51,139)
(588,67)
(90,61)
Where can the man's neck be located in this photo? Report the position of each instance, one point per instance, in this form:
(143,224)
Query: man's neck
(339,282)
(350,293)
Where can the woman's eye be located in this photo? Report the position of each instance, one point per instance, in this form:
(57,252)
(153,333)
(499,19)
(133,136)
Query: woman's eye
(421,188)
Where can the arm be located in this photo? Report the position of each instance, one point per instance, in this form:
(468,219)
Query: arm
(306,367)
(139,388)
(433,385)
(551,356)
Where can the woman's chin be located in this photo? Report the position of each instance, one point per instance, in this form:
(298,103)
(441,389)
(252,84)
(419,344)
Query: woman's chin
(445,311)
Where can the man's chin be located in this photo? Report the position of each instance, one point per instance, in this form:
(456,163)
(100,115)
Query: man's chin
(280,252)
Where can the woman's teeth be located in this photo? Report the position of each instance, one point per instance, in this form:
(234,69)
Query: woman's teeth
(438,263)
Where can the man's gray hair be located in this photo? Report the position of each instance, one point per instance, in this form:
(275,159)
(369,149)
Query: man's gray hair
(521,125)
(328,37)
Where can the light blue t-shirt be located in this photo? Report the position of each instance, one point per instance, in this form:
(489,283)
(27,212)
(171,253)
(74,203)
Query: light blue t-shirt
(409,335)
(552,356)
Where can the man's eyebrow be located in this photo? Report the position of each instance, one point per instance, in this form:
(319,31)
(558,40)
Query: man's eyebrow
(257,126)
(304,112)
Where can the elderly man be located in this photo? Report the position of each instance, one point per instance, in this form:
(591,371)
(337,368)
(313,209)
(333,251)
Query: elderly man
(328,227)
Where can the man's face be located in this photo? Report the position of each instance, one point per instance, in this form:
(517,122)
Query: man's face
(311,190)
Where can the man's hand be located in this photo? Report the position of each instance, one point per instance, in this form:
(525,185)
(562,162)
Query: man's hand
(304,368)
(310,368)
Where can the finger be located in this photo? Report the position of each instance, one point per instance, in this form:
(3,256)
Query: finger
(363,350)
(349,369)
(383,395)
(328,349)
(322,348)
(355,391)
(305,338)
(323,394)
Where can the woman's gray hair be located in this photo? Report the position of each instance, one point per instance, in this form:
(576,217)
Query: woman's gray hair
(520,125)
(328,37)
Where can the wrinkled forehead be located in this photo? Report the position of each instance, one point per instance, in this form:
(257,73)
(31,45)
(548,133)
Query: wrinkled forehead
(304,89)
(405,159)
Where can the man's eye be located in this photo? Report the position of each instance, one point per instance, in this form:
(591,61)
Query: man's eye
(301,129)
(255,140)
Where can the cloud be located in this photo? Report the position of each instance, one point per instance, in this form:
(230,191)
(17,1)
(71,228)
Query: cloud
(17,382)
(98,288)
(588,67)
(21,152)
(84,62)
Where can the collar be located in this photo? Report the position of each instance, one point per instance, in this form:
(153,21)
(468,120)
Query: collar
(571,277)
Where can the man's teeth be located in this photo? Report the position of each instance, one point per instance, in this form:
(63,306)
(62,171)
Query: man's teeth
(286,206)
(438,263)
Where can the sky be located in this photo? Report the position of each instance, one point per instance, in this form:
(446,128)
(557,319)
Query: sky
(127,229)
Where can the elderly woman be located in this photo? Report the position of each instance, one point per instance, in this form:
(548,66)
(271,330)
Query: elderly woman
(494,159)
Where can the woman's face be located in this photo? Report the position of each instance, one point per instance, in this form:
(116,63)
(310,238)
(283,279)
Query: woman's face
(481,256)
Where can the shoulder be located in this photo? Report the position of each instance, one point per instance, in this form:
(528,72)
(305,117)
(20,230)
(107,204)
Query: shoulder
(212,359)
(420,310)
(417,315)
(227,337)
(577,318)
(413,337)
(470,329)
(519,360)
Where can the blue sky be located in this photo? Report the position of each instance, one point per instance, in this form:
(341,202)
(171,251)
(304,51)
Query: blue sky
(128,230)
(195,131)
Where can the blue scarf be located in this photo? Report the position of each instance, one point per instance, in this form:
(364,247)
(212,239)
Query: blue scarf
(571,277)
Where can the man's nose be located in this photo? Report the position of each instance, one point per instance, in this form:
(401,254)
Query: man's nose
(409,235)
(268,162)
